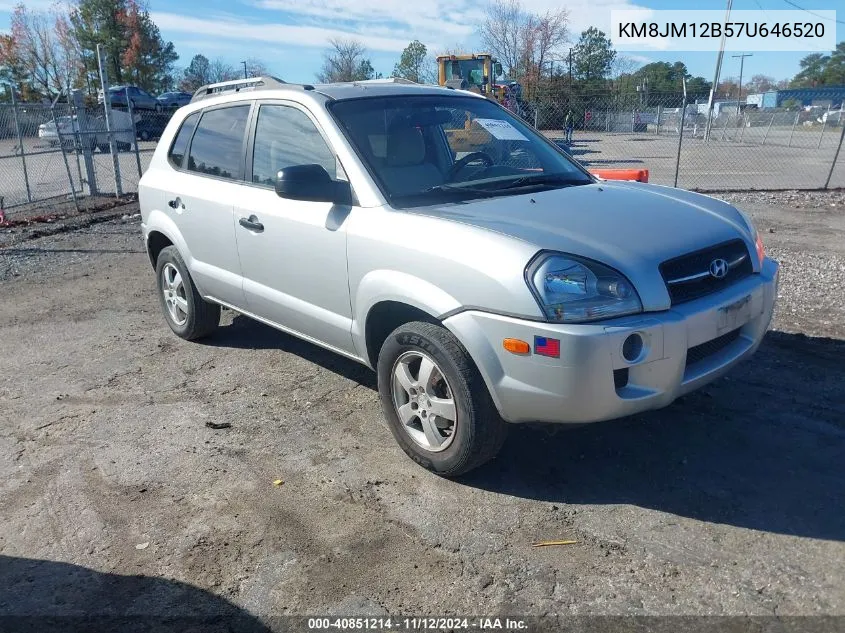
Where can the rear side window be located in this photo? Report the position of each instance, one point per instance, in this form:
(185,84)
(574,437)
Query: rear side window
(285,136)
(180,145)
(217,148)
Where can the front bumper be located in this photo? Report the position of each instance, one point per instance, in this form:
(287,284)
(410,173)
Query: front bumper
(592,381)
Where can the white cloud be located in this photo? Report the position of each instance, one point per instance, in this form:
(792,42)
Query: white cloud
(306,36)
(582,13)
(452,18)
(640,59)
(381,25)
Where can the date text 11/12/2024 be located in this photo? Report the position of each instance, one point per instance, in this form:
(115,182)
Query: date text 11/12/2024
(481,624)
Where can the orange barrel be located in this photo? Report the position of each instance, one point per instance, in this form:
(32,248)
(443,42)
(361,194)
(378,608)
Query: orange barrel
(640,175)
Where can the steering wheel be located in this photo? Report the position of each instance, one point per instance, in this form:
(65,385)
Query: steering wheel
(466,160)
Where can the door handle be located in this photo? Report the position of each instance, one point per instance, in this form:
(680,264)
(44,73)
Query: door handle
(251,223)
(176,204)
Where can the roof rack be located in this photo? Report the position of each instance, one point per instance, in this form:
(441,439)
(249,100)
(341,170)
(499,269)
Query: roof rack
(238,85)
(385,80)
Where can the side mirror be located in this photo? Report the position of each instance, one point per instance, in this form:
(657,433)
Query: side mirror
(311,183)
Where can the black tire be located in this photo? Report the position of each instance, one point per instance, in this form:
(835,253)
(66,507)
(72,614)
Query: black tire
(105,148)
(479,430)
(203,317)
(144,135)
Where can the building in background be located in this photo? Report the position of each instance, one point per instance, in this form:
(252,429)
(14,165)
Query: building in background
(823,97)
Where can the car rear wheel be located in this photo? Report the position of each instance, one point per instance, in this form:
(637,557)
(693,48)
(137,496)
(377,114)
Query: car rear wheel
(189,315)
(144,135)
(435,401)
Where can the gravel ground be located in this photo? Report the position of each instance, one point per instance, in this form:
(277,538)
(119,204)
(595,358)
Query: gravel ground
(117,498)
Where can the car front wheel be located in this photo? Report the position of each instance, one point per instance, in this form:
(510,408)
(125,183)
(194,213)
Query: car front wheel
(186,312)
(435,401)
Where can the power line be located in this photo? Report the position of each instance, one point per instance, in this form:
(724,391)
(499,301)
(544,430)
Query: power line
(823,17)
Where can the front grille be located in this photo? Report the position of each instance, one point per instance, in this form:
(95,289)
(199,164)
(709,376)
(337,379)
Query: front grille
(705,350)
(688,277)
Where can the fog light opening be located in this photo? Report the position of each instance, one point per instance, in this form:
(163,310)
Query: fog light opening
(632,348)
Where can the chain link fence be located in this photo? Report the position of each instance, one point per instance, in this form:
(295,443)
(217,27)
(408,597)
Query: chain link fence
(63,152)
(68,152)
(741,148)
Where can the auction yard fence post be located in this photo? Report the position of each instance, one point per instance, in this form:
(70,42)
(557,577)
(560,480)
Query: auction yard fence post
(64,157)
(797,116)
(134,134)
(104,83)
(88,140)
(20,144)
(768,127)
(824,125)
(681,131)
(836,155)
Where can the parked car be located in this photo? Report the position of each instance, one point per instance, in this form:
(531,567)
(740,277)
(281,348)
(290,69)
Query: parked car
(150,128)
(67,127)
(140,99)
(505,286)
(832,117)
(92,134)
(174,99)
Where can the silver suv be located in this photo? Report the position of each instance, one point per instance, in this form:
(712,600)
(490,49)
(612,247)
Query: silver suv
(432,236)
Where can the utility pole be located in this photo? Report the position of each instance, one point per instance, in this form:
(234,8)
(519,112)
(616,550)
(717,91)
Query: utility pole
(716,76)
(245,75)
(741,64)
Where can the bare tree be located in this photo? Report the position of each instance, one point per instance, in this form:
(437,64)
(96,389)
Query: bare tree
(47,54)
(551,33)
(454,49)
(502,33)
(218,71)
(623,65)
(525,43)
(345,61)
(256,67)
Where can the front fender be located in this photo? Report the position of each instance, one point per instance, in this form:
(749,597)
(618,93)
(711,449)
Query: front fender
(390,285)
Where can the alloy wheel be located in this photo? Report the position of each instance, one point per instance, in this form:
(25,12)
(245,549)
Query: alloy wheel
(173,289)
(423,401)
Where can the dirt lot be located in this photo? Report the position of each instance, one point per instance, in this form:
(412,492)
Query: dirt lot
(728,502)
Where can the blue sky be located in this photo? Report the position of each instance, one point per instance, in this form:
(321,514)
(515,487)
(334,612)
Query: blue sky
(290,35)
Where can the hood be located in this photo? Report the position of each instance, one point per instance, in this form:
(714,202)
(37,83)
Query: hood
(632,227)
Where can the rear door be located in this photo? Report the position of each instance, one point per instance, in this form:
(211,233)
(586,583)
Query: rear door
(207,182)
(293,252)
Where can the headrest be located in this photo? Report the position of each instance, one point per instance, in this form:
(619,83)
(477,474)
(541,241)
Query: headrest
(405,147)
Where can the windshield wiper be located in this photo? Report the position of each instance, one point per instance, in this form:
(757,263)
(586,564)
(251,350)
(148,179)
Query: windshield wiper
(543,179)
(476,191)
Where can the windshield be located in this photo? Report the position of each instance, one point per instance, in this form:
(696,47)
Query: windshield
(430,149)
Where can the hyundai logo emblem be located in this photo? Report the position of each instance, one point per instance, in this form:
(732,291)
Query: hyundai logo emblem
(719,268)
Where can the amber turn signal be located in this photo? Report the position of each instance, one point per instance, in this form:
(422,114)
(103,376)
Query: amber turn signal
(516,346)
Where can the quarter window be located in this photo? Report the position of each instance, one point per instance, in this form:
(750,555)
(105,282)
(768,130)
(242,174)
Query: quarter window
(285,136)
(217,148)
(180,145)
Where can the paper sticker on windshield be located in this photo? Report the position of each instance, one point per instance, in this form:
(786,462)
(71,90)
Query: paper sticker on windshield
(502,130)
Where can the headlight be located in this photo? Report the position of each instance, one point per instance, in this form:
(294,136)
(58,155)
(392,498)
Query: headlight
(574,290)
(755,235)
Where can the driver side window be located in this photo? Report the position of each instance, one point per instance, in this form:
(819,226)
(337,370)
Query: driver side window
(284,137)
